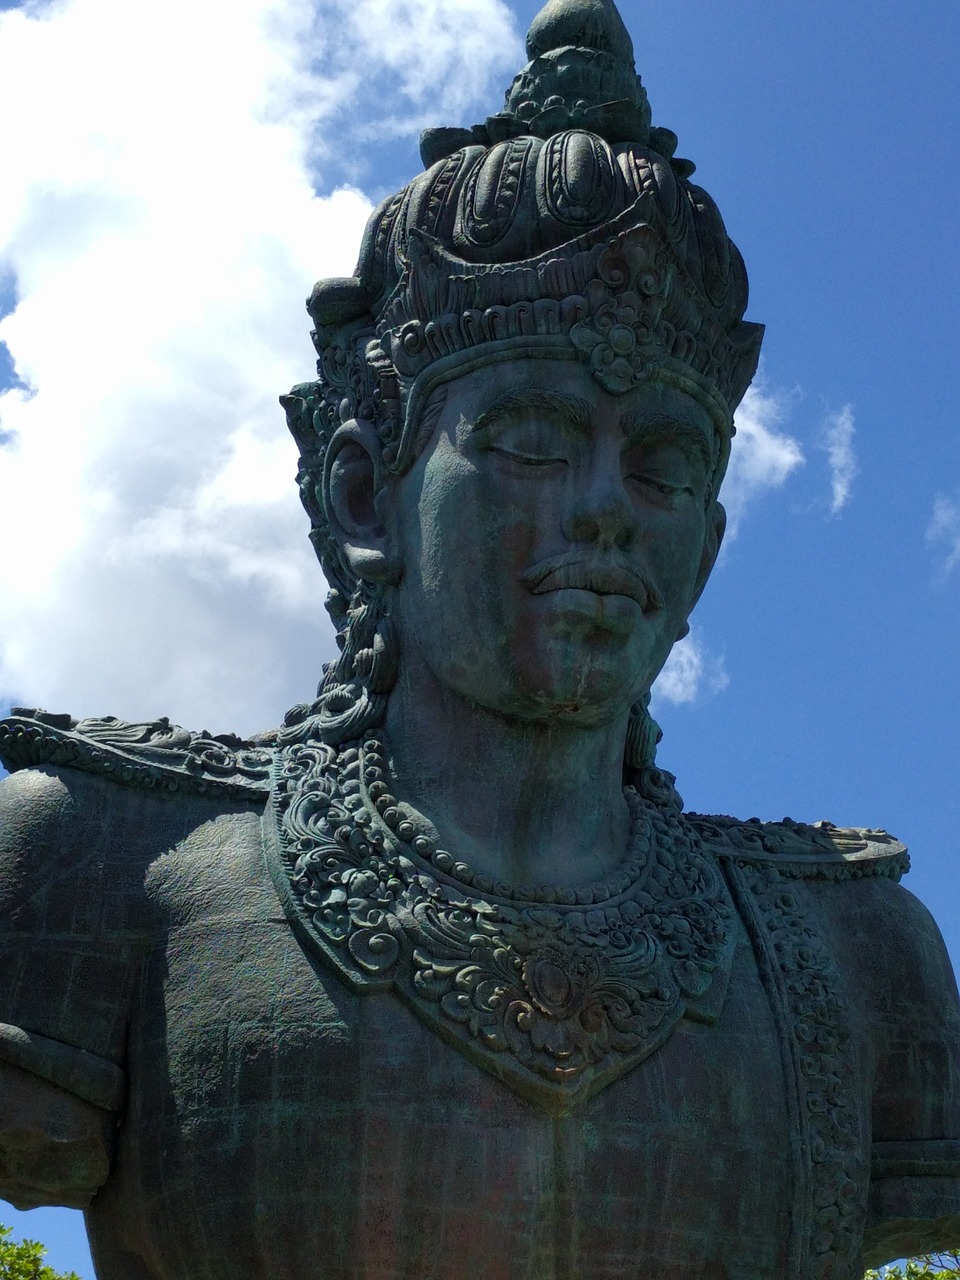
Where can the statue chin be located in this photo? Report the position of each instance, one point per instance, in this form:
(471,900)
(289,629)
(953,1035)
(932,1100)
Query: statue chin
(572,667)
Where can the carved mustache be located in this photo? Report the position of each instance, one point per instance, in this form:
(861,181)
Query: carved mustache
(603,577)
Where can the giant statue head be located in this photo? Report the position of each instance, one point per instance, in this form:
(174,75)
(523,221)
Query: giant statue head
(524,406)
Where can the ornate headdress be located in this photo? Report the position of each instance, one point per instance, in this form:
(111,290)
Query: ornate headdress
(563,227)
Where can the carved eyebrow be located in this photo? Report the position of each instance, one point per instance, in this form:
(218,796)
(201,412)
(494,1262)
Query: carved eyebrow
(685,434)
(575,411)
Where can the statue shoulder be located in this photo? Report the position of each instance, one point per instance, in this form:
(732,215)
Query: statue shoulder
(34,806)
(810,851)
(148,756)
(877,929)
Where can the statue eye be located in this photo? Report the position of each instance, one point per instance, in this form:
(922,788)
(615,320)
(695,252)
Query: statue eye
(530,443)
(664,471)
(528,457)
(659,486)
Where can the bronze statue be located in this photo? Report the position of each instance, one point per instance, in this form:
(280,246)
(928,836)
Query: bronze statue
(439,980)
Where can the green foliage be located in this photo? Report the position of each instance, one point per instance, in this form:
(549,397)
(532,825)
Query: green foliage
(942,1266)
(24,1260)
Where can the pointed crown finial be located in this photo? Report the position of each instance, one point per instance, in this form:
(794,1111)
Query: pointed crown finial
(581,75)
(580,24)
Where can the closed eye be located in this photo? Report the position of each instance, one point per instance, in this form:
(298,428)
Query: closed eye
(527,459)
(666,468)
(663,487)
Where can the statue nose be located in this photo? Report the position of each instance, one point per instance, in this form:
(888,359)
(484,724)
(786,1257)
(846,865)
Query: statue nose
(602,515)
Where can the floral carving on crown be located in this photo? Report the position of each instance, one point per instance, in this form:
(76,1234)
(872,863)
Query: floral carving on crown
(622,306)
(619,337)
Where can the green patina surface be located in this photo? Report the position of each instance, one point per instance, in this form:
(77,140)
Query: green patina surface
(439,979)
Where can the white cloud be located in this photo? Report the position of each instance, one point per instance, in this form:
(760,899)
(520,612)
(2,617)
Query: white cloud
(944,529)
(761,458)
(691,672)
(837,435)
(439,54)
(160,221)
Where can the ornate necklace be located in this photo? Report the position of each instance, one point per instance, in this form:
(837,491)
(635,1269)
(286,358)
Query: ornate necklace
(556,991)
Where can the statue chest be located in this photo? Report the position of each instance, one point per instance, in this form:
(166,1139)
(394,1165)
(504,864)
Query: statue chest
(316,1131)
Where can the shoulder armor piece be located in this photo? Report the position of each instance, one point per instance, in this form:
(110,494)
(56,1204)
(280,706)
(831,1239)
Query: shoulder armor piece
(819,851)
(145,756)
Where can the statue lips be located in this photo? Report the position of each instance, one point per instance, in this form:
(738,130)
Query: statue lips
(603,578)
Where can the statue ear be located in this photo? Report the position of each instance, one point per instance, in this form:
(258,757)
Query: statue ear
(716,525)
(352,478)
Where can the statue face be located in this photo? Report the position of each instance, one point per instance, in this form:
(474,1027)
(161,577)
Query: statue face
(552,539)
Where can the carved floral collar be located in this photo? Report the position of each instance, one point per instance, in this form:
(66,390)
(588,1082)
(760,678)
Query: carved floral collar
(555,992)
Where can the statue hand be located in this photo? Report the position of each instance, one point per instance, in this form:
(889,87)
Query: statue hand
(55,1147)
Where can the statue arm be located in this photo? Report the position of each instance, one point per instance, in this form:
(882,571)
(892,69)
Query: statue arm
(61,1082)
(915,1015)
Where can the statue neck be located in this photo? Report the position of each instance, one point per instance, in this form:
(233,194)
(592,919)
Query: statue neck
(527,802)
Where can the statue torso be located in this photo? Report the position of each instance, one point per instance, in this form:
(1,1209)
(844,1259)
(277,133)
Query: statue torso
(285,1120)
(330,1133)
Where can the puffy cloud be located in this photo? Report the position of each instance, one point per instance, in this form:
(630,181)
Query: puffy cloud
(438,54)
(691,672)
(944,529)
(161,227)
(837,435)
(761,458)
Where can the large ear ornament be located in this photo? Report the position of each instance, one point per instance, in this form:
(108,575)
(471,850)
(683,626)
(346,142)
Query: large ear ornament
(353,475)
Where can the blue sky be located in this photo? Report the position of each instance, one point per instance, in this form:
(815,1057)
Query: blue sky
(168,217)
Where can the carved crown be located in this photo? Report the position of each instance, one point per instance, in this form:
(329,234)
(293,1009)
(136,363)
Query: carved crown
(562,226)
